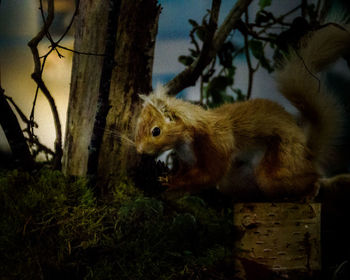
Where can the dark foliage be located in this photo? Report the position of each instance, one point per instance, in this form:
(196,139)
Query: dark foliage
(52,227)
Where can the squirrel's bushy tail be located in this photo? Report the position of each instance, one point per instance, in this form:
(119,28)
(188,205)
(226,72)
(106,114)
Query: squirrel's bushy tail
(298,81)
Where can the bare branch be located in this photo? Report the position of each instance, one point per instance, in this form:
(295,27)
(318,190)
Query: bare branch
(214,15)
(37,77)
(36,40)
(304,5)
(245,29)
(213,23)
(318,7)
(32,140)
(55,45)
(324,8)
(14,134)
(79,52)
(77,3)
(249,63)
(40,147)
(189,76)
(18,110)
(278,20)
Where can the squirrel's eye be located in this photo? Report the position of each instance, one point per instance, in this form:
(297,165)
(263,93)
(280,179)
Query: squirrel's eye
(156,131)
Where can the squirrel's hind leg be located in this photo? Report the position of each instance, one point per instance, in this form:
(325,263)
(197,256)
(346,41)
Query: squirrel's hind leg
(287,172)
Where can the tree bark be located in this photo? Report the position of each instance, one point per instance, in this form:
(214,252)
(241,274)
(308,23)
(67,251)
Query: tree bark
(90,37)
(278,240)
(135,42)
(131,74)
(103,96)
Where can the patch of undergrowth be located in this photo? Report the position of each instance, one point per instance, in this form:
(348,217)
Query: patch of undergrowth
(52,227)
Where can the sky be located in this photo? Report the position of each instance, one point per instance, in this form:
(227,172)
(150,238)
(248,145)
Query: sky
(20,21)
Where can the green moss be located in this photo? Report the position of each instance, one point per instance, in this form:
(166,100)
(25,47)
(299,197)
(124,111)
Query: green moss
(125,191)
(52,227)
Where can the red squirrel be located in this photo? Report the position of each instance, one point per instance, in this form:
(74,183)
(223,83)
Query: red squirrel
(255,147)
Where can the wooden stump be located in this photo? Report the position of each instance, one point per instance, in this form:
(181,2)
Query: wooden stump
(277,241)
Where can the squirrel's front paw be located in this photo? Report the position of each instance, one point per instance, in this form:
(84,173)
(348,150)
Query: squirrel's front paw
(168,181)
(164,180)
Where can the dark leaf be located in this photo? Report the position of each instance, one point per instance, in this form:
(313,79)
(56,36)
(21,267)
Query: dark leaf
(225,54)
(185,60)
(193,22)
(206,76)
(239,94)
(217,89)
(291,37)
(228,98)
(219,83)
(263,17)
(265,63)
(257,49)
(231,72)
(264,3)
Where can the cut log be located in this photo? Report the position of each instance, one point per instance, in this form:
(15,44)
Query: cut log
(277,240)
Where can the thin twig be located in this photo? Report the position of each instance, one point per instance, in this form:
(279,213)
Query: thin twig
(18,110)
(245,28)
(41,147)
(77,4)
(278,20)
(79,52)
(36,40)
(318,7)
(37,77)
(213,22)
(54,45)
(304,6)
(194,41)
(249,63)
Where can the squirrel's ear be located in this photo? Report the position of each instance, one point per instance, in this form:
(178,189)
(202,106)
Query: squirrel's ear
(144,98)
(160,91)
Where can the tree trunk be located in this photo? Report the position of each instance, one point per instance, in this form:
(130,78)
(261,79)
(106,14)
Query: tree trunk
(136,28)
(90,37)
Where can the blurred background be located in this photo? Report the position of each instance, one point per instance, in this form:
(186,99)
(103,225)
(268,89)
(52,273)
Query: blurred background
(20,20)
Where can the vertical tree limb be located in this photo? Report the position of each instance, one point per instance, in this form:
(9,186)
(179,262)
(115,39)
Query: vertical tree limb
(213,24)
(249,62)
(37,77)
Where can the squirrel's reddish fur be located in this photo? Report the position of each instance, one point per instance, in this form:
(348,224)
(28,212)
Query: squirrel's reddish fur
(256,144)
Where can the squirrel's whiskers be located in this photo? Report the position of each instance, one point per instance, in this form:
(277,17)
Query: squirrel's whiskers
(122,137)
